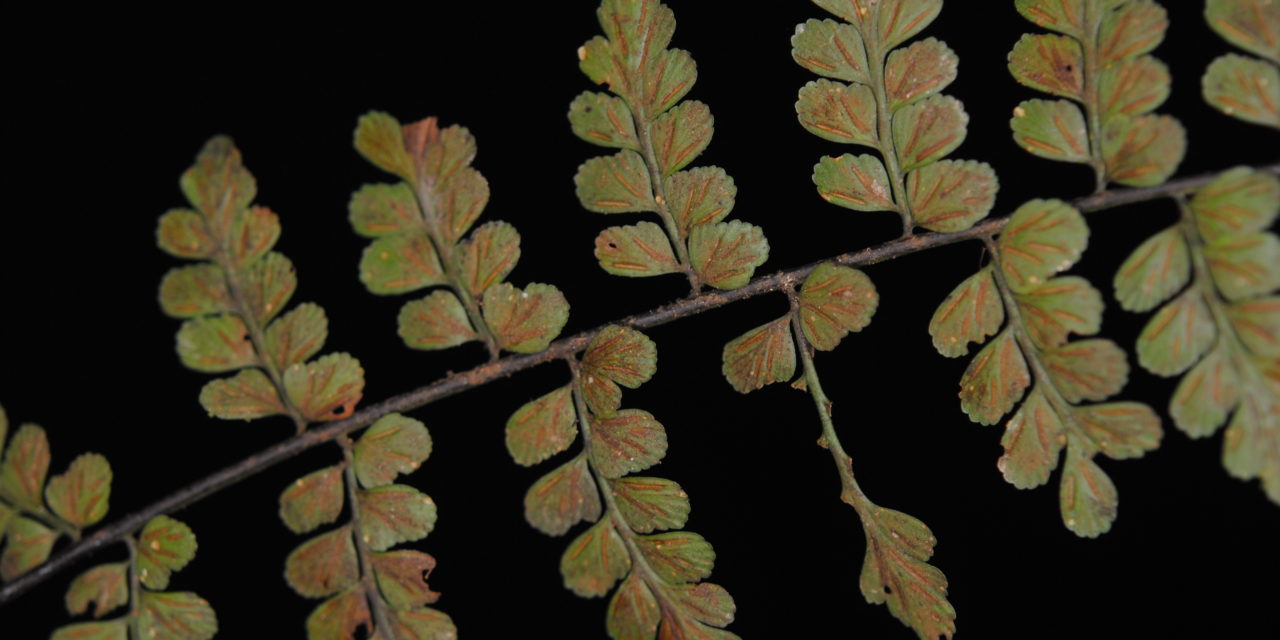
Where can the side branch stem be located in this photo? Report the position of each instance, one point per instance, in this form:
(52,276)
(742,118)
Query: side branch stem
(560,349)
(850,491)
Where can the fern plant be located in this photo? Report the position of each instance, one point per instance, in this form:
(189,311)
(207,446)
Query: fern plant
(751,483)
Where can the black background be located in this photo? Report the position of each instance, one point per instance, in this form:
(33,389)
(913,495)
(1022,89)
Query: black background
(106,111)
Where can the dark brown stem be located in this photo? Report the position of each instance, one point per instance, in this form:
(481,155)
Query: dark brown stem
(560,349)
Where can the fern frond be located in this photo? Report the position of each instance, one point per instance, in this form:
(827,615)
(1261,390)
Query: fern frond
(420,226)
(658,136)
(365,584)
(1099,62)
(1032,356)
(891,103)
(34,512)
(1216,273)
(661,590)
(231,300)
(162,547)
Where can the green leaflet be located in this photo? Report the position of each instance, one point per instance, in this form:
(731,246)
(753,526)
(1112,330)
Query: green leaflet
(1059,307)
(339,617)
(327,388)
(542,427)
(80,495)
(1053,129)
(378,210)
(1094,369)
(835,300)
(629,441)
(1246,265)
(313,500)
(1257,324)
(1042,237)
(1048,63)
(164,546)
(25,466)
(394,513)
(971,313)
(680,135)
(1087,496)
(1120,429)
(844,113)
(634,251)
(562,498)
(1156,270)
(1239,200)
(764,355)
(323,565)
(616,356)
(994,380)
(393,445)
(832,49)
(927,131)
(1098,62)
(1143,151)
(1177,335)
(1248,24)
(525,321)
(1133,87)
(419,226)
(437,321)
(1032,440)
(296,336)
(595,561)
(269,283)
(854,182)
(400,264)
(649,504)
(1206,395)
(105,587)
(895,571)
(230,301)
(247,395)
(679,556)
(28,544)
(615,184)
(402,578)
(951,195)
(918,71)
(176,616)
(702,195)
(1138,27)
(488,256)
(197,290)
(602,119)
(1244,87)
(725,254)
(659,136)
(183,233)
(633,611)
(890,21)
(898,111)
(215,344)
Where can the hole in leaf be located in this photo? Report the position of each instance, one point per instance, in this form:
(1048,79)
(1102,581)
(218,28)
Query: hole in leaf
(613,245)
(1068,68)
(888,589)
